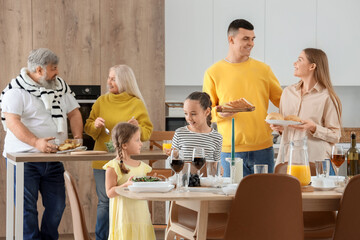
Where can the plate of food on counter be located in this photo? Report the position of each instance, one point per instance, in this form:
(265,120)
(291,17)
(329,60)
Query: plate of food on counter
(239,105)
(71,145)
(278,119)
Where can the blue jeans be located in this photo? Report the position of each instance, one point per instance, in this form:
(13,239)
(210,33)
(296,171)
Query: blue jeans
(102,214)
(264,156)
(48,178)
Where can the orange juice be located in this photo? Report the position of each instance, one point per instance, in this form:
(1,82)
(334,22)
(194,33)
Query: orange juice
(166,146)
(301,172)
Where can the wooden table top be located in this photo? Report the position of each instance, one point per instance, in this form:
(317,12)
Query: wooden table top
(54,157)
(321,195)
(173,195)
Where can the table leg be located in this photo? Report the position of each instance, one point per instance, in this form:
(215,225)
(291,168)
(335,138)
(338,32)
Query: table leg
(9,200)
(19,208)
(202,220)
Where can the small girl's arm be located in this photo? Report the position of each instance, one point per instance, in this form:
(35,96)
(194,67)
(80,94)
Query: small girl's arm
(111,183)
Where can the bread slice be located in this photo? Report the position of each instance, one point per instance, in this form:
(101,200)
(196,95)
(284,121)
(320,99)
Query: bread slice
(274,116)
(292,118)
(240,105)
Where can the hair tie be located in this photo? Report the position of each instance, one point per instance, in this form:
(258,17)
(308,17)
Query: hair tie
(121,161)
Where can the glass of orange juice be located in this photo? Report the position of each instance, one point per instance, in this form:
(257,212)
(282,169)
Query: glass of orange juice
(166,145)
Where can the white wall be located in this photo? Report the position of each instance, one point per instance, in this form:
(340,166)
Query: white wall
(195,35)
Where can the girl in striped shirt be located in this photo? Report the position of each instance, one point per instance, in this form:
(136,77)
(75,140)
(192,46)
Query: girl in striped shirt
(199,133)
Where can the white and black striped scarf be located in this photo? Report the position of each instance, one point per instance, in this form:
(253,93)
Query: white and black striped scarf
(49,97)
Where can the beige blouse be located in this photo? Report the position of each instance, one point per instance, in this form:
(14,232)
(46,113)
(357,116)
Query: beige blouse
(317,106)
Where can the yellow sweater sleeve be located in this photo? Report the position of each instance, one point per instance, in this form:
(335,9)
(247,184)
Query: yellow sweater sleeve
(143,119)
(90,122)
(275,89)
(115,108)
(210,88)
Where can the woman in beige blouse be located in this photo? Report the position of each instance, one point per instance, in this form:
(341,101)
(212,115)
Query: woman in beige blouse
(314,100)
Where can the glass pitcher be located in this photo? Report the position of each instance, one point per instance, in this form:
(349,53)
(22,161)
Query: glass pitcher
(298,165)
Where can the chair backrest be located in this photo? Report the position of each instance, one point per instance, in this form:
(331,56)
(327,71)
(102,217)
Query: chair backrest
(158,136)
(266,206)
(348,218)
(282,168)
(77,212)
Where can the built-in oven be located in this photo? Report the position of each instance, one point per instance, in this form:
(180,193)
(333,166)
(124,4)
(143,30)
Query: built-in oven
(86,95)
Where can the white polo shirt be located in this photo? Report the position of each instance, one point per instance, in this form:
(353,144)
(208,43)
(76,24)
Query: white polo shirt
(34,116)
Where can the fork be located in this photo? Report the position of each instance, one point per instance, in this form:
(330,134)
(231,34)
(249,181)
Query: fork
(106,130)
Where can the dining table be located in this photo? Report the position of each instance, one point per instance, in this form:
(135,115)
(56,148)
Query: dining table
(204,203)
(15,165)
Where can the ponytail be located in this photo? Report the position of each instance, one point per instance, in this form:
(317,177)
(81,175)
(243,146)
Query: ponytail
(121,164)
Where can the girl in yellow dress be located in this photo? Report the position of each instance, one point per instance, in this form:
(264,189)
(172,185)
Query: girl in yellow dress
(129,218)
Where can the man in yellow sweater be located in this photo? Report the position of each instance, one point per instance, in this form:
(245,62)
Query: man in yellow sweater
(239,76)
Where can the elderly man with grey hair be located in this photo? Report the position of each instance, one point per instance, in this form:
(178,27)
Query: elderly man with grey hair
(34,110)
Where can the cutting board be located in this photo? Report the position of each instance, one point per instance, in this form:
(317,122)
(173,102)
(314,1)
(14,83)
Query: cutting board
(88,152)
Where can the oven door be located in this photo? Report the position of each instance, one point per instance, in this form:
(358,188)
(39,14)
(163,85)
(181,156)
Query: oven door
(85,109)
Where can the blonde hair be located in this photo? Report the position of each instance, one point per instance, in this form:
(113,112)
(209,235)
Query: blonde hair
(322,75)
(126,81)
(121,134)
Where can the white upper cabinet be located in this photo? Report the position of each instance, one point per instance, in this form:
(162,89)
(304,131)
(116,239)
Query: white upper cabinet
(338,34)
(290,27)
(225,11)
(196,36)
(188,41)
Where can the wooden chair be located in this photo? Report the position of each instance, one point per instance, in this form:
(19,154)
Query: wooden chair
(348,218)
(77,212)
(317,225)
(182,222)
(266,206)
(159,136)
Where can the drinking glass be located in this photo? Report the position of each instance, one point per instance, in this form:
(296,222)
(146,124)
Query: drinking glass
(212,168)
(322,168)
(177,163)
(198,158)
(185,176)
(337,157)
(166,145)
(260,168)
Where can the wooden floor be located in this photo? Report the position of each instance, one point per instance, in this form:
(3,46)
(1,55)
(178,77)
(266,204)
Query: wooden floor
(159,236)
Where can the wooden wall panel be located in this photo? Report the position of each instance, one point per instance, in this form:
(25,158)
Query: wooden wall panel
(132,33)
(71,30)
(89,36)
(15,44)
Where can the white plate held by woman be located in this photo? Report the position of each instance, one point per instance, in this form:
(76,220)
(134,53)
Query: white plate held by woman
(282,122)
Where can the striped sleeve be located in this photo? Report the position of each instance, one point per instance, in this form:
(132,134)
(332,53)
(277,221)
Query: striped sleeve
(188,140)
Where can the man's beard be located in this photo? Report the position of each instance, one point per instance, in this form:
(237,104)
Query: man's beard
(48,84)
